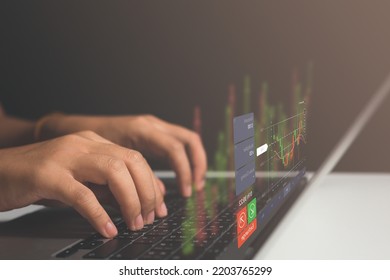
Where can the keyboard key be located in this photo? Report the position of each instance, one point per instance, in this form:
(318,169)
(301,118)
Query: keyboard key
(183,254)
(169,246)
(212,253)
(159,231)
(165,225)
(149,239)
(96,236)
(67,252)
(131,252)
(202,243)
(130,234)
(89,244)
(154,255)
(108,249)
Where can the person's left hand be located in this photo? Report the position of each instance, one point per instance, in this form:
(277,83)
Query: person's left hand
(153,137)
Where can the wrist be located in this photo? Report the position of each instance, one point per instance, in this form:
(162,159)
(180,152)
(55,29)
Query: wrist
(57,124)
(45,127)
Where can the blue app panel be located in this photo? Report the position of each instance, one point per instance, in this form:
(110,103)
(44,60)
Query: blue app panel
(244,152)
(245,177)
(243,127)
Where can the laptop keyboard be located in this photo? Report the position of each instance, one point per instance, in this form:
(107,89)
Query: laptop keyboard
(181,235)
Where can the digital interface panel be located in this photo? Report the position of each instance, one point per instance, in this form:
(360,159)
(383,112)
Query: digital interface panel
(259,161)
(264,144)
(276,139)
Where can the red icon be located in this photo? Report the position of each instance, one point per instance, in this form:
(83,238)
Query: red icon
(242,220)
(249,230)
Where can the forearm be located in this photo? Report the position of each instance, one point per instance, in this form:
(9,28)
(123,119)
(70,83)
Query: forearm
(15,132)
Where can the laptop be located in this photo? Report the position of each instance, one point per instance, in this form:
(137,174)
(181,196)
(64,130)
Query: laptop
(259,171)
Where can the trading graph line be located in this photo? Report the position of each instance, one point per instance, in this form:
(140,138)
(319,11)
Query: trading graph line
(297,137)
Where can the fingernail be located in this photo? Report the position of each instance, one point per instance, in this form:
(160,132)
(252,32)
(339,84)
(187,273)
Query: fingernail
(163,211)
(138,222)
(111,230)
(149,218)
(187,191)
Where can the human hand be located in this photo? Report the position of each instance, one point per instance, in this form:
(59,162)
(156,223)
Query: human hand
(153,137)
(58,170)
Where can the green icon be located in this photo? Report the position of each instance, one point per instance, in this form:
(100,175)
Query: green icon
(252,210)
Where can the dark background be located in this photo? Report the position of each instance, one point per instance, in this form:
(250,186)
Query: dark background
(165,57)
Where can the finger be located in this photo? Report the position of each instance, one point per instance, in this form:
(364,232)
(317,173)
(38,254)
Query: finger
(171,148)
(195,148)
(141,174)
(161,185)
(103,169)
(197,156)
(161,208)
(148,187)
(82,199)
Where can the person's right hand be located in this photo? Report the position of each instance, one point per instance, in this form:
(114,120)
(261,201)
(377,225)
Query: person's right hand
(58,170)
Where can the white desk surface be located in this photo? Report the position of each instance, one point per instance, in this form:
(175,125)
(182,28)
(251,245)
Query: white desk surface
(346,216)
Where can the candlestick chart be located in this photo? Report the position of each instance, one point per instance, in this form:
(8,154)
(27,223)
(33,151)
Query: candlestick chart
(280,123)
